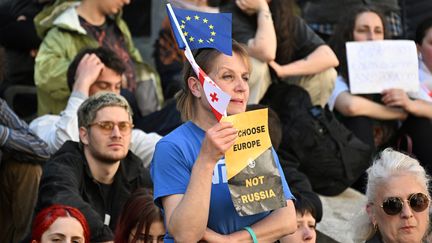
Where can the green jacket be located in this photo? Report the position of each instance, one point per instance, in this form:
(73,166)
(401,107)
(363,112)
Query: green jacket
(63,37)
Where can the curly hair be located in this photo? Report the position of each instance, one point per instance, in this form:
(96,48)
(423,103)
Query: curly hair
(108,57)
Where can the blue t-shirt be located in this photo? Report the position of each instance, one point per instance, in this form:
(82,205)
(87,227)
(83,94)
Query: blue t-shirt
(171,169)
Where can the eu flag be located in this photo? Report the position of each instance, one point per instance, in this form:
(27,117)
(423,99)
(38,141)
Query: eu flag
(203,30)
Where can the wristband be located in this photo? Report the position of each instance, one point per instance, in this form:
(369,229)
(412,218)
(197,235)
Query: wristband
(252,234)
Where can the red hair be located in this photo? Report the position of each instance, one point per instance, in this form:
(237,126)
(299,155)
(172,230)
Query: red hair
(45,218)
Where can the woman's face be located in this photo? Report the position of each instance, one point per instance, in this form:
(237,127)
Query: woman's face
(368,26)
(64,230)
(426,49)
(156,233)
(305,230)
(231,74)
(406,226)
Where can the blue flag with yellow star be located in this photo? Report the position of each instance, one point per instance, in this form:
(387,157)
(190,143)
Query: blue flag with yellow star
(203,30)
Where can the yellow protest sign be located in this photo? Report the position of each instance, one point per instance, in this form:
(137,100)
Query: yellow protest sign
(253,139)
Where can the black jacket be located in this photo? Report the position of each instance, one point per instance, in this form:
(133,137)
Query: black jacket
(299,183)
(414,12)
(375,239)
(19,35)
(67,179)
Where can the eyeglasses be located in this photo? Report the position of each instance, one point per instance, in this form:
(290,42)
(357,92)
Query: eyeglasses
(107,127)
(417,201)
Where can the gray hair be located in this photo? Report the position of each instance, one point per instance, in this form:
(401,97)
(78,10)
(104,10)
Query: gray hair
(388,164)
(88,109)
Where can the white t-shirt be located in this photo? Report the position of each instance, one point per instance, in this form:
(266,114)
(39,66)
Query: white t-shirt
(425,75)
(340,86)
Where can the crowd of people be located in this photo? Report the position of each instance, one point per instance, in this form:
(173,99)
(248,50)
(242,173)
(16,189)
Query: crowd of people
(126,149)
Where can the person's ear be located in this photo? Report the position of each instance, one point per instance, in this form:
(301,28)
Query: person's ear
(83,134)
(371,213)
(194,86)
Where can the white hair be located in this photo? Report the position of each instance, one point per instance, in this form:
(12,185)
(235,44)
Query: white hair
(388,164)
(391,163)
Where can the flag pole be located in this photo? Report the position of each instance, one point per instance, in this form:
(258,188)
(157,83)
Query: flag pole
(173,17)
(188,53)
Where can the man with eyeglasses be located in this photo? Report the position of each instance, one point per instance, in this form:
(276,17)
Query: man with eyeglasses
(91,71)
(97,174)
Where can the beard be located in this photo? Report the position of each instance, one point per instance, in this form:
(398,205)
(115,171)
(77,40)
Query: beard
(108,158)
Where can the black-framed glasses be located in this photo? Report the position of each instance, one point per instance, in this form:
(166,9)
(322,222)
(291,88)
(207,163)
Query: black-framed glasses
(106,127)
(417,201)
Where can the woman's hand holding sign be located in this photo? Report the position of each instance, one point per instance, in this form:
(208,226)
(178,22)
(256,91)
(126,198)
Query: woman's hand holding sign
(217,141)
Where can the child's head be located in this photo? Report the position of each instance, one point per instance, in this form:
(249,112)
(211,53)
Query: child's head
(306,215)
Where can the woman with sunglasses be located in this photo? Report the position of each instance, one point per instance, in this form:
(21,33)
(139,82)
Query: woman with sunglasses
(188,168)
(398,200)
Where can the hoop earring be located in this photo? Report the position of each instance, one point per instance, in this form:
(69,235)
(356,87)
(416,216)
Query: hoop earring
(372,233)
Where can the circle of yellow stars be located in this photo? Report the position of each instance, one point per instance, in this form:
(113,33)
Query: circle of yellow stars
(197,18)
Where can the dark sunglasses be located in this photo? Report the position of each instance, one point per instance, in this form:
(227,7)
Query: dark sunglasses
(417,201)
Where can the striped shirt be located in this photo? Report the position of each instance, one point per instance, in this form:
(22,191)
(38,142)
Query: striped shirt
(17,139)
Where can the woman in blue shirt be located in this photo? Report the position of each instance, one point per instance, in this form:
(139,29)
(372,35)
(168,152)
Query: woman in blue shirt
(188,168)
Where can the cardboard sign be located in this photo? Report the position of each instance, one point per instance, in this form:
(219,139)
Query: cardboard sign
(377,65)
(253,175)
(253,139)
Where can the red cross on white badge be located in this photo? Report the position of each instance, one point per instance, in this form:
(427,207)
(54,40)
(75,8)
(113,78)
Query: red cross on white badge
(214,97)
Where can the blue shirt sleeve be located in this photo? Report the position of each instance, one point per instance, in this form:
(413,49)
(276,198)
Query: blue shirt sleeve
(169,170)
